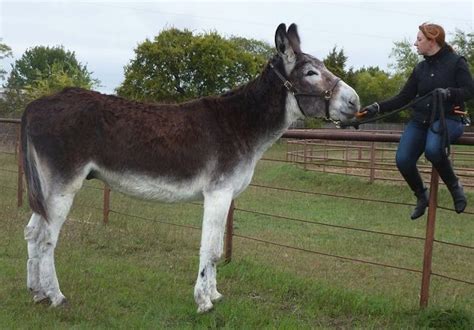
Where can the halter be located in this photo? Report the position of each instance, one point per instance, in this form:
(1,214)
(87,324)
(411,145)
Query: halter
(327,94)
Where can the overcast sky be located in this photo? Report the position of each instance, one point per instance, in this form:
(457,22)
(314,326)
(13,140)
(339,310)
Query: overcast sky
(103,34)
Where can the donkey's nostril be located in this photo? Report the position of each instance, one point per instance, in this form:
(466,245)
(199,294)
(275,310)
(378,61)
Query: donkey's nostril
(353,102)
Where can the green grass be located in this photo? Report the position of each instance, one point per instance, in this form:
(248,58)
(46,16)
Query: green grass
(136,273)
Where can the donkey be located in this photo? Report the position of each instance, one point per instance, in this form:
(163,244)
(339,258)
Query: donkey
(203,149)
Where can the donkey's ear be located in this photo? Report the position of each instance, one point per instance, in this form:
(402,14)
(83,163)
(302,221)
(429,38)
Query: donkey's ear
(294,38)
(283,45)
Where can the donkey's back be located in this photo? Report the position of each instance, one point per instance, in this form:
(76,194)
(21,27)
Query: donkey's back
(77,125)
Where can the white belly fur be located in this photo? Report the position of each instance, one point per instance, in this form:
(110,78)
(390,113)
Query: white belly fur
(170,190)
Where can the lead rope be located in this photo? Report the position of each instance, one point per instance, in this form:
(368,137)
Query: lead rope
(371,120)
(438,107)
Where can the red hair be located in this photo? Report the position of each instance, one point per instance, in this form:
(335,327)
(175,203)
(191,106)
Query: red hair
(433,32)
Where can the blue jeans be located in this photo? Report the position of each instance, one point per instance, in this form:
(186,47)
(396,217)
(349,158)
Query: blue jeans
(418,138)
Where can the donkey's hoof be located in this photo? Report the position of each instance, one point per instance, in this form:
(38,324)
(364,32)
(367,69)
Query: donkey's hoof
(38,295)
(41,299)
(216,297)
(60,301)
(205,308)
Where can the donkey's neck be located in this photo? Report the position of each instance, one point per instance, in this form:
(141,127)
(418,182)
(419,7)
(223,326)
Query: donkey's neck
(264,109)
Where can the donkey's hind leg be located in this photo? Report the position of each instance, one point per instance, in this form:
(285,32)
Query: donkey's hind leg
(59,205)
(42,237)
(32,231)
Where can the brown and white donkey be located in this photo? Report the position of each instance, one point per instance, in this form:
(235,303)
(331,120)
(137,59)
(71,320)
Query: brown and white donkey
(203,149)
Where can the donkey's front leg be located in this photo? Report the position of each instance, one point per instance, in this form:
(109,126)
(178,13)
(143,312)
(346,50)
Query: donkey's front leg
(216,207)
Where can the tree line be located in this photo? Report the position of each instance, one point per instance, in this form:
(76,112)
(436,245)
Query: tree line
(178,65)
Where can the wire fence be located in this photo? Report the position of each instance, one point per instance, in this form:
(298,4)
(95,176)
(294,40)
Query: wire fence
(303,158)
(372,160)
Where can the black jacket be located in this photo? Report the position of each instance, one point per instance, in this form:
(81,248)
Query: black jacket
(445,69)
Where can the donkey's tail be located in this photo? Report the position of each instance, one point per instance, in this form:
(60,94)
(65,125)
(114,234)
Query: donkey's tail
(33,182)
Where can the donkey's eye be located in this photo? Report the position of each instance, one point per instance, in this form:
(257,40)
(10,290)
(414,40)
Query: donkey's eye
(311,73)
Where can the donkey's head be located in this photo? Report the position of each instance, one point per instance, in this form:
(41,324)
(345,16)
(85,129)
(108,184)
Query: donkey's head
(317,91)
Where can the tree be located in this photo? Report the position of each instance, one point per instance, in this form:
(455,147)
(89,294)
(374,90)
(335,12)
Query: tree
(336,62)
(463,43)
(373,84)
(55,80)
(177,65)
(5,52)
(41,71)
(255,47)
(405,58)
(36,63)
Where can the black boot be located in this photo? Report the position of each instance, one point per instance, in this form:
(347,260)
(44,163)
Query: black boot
(459,199)
(421,203)
(446,172)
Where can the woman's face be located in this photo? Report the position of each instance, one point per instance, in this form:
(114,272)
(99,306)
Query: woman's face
(423,45)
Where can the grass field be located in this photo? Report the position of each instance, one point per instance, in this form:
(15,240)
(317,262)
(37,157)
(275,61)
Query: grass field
(140,272)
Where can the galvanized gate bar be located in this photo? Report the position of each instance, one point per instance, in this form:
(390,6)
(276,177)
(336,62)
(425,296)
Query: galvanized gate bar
(353,135)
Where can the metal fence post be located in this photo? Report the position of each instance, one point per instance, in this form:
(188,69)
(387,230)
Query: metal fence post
(430,229)
(106,209)
(229,232)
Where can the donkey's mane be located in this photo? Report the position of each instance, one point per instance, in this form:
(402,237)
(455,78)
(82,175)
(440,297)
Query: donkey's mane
(254,88)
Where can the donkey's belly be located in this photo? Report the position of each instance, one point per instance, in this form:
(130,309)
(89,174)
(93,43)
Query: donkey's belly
(170,189)
(156,188)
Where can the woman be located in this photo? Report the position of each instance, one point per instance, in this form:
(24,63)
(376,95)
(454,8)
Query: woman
(447,73)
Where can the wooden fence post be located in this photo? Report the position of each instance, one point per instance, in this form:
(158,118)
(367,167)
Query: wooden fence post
(326,155)
(430,229)
(372,162)
(106,209)
(229,232)
(19,155)
(305,154)
(20,170)
(346,158)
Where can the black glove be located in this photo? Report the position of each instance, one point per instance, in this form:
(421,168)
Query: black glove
(369,111)
(444,92)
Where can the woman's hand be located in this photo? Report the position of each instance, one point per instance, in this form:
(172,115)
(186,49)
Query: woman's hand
(444,92)
(369,111)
